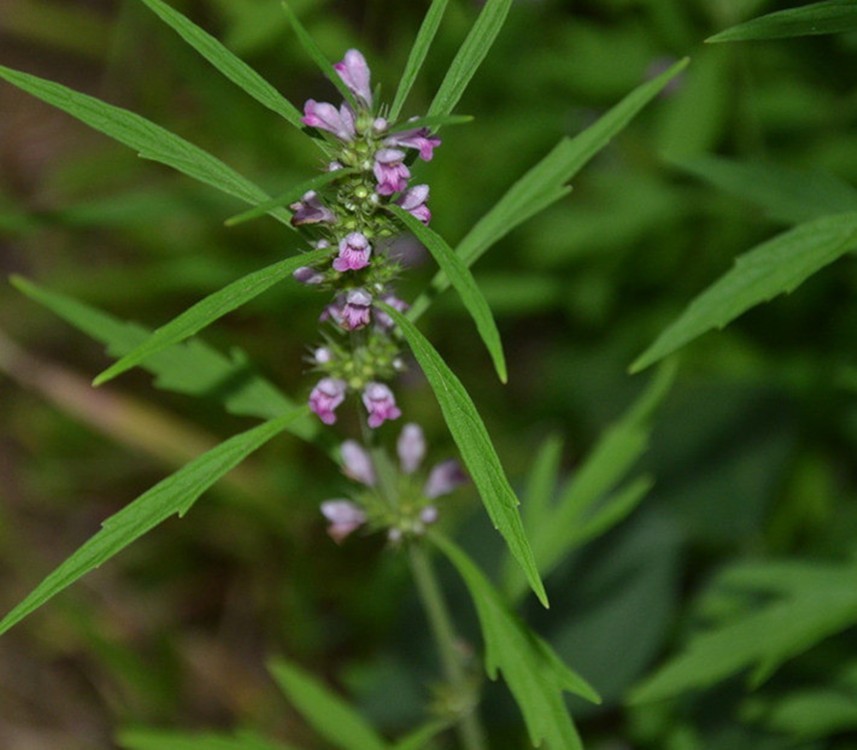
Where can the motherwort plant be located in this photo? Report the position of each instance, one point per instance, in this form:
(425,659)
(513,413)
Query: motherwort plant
(350,215)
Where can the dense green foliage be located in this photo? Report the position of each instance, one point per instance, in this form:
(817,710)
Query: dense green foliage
(600,204)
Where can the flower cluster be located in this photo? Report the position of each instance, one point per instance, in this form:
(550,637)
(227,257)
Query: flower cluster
(369,162)
(414,508)
(350,219)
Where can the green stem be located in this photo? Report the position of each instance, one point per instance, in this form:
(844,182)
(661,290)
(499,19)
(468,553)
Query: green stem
(469,729)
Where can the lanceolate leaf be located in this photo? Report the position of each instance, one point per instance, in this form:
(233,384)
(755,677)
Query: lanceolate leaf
(206,311)
(464,283)
(775,267)
(533,672)
(235,69)
(470,56)
(831,17)
(788,195)
(425,36)
(591,503)
(545,183)
(476,449)
(330,715)
(192,368)
(151,141)
(174,495)
(813,602)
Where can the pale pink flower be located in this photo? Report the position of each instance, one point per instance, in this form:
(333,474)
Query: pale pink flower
(380,403)
(344,517)
(355,74)
(357,464)
(414,200)
(390,171)
(325,116)
(354,253)
(310,210)
(411,447)
(418,138)
(356,311)
(327,395)
(444,478)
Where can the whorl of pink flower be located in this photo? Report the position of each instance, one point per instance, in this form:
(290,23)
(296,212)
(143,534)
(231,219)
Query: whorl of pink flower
(355,74)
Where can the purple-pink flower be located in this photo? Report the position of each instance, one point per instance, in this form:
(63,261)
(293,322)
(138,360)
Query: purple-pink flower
(327,395)
(380,403)
(356,310)
(411,447)
(390,171)
(344,517)
(354,252)
(444,478)
(413,200)
(418,138)
(355,74)
(357,464)
(325,116)
(310,210)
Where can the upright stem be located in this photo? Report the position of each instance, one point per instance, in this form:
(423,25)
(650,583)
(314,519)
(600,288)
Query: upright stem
(468,727)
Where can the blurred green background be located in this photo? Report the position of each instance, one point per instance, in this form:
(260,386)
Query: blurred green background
(753,451)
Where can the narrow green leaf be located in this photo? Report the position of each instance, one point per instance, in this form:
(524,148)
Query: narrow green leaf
(317,56)
(795,621)
(207,310)
(417,56)
(788,195)
(290,196)
(328,714)
(470,56)
(545,183)
(151,141)
(831,17)
(235,69)
(174,495)
(777,266)
(535,675)
(590,504)
(192,368)
(156,739)
(476,449)
(464,284)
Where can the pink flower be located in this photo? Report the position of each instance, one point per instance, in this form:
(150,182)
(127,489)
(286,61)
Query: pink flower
(310,210)
(344,517)
(390,171)
(355,74)
(357,464)
(380,403)
(418,138)
(414,200)
(411,447)
(444,478)
(354,252)
(356,311)
(325,116)
(327,395)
